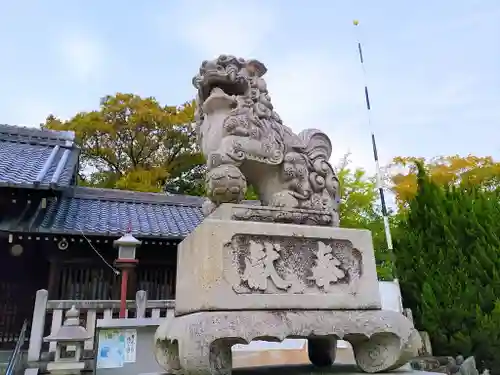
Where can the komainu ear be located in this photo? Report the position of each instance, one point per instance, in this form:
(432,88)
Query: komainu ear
(255,66)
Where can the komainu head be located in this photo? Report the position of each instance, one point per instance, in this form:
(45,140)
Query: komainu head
(237,80)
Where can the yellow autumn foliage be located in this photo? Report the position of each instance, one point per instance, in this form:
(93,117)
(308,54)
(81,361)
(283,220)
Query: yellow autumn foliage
(135,143)
(470,170)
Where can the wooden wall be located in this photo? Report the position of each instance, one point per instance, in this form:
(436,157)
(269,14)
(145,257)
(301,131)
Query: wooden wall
(20,277)
(77,273)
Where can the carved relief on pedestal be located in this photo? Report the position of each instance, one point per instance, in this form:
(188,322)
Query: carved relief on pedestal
(293,265)
(281,215)
(259,266)
(326,270)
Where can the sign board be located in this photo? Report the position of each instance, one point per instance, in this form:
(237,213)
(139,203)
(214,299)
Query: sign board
(126,346)
(116,347)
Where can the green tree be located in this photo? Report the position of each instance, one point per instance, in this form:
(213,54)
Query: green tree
(135,143)
(448,258)
(359,208)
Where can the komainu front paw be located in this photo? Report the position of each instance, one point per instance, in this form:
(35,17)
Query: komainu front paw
(226,184)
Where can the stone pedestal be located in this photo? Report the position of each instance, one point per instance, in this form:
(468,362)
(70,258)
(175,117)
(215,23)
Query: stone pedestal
(259,273)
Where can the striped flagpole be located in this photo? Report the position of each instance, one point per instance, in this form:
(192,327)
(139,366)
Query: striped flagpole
(380,187)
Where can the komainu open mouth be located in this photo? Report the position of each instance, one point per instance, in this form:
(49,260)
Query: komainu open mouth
(229,88)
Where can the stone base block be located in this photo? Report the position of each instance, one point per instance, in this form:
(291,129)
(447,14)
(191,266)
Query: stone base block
(65,368)
(337,369)
(201,343)
(233,262)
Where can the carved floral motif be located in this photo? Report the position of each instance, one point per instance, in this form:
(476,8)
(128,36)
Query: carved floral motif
(293,265)
(326,270)
(259,266)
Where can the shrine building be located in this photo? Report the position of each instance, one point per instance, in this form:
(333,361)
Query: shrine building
(58,236)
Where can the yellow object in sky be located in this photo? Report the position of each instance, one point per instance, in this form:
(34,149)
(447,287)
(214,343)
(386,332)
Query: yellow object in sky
(355,22)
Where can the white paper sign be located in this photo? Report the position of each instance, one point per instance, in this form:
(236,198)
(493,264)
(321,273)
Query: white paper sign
(130,336)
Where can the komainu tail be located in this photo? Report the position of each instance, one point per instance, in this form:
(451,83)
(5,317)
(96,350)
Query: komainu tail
(317,144)
(318,149)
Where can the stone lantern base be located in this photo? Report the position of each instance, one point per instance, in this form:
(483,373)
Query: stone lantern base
(65,368)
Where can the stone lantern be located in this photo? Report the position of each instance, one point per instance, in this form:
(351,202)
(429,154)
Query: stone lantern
(126,261)
(126,247)
(71,334)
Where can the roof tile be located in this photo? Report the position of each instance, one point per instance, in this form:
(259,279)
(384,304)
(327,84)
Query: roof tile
(30,157)
(35,158)
(146,214)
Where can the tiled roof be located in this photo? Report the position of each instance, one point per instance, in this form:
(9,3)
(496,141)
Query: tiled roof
(109,212)
(35,158)
(44,159)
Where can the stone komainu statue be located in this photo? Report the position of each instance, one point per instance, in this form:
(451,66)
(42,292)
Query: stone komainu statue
(245,142)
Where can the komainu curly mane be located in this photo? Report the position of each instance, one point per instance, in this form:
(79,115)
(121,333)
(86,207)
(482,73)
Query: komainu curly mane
(244,140)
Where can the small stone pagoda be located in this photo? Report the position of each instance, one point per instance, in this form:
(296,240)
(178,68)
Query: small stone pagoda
(283,269)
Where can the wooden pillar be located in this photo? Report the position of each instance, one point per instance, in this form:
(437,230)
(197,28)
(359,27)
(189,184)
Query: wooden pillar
(132,282)
(54,276)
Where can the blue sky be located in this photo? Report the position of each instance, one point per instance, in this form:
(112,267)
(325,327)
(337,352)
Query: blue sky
(433,66)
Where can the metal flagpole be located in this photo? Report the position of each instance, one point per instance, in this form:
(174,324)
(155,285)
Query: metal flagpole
(380,187)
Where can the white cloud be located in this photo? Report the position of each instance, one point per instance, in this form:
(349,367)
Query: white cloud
(31,111)
(313,89)
(308,88)
(83,55)
(27,112)
(217,27)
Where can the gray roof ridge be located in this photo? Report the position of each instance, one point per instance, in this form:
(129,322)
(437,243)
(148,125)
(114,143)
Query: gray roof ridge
(28,134)
(129,196)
